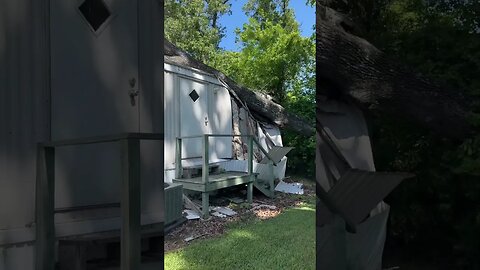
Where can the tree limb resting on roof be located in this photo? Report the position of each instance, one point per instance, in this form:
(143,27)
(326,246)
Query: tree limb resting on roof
(349,67)
(258,104)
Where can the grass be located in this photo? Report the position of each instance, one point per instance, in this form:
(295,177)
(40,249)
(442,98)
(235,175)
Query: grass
(283,242)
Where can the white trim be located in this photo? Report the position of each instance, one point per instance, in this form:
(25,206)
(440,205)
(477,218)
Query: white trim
(191,73)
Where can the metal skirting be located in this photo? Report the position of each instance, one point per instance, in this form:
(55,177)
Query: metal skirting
(173,202)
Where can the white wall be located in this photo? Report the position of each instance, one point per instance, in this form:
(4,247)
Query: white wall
(218,110)
(21,258)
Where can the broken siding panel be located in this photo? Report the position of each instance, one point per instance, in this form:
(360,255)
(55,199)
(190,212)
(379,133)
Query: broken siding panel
(358,192)
(273,134)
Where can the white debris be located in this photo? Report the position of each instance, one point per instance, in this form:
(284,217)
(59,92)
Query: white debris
(271,207)
(225,210)
(188,239)
(217,214)
(191,214)
(292,188)
(193,237)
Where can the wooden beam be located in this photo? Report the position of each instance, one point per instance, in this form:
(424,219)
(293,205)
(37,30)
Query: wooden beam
(107,138)
(130,204)
(178,159)
(205,195)
(45,206)
(205,159)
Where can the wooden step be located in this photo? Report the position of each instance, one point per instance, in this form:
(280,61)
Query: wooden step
(215,181)
(196,170)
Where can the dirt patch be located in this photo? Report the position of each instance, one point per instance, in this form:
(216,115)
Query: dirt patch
(262,208)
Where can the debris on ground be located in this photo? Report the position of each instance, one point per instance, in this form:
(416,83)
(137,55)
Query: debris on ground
(224,210)
(261,208)
(264,211)
(193,237)
(191,214)
(256,206)
(292,188)
(220,215)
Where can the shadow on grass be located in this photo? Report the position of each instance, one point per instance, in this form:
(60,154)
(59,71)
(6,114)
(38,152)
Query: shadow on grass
(284,242)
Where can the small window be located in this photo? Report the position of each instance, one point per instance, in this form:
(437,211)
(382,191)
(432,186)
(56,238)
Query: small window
(95,12)
(194,95)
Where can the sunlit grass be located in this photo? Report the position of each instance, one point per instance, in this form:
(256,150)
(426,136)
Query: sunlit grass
(283,242)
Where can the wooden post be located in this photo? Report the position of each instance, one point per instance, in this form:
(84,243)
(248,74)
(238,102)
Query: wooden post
(250,192)
(130,205)
(250,154)
(45,206)
(205,195)
(178,159)
(250,169)
(205,160)
(205,205)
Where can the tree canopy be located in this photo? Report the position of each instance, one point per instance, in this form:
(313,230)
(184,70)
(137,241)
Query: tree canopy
(193,25)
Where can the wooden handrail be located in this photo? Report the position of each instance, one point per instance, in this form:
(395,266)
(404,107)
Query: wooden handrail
(104,139)
(178,152)
(130,201)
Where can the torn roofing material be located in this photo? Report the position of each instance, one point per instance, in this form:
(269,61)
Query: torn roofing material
(357,192)
(276,154)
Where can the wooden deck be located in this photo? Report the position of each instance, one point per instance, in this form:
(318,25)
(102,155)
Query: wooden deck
(215,181)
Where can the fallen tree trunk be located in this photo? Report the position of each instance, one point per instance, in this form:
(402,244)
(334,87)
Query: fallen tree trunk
(349,67)
(258,104)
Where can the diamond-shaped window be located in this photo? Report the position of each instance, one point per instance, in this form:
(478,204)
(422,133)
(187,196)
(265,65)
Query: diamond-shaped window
(95,12)
(194,95)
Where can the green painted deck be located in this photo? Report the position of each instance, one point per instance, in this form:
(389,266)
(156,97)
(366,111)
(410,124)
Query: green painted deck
(216,181)
(209,182)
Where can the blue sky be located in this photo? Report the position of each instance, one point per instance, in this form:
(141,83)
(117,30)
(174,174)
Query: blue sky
(304,14)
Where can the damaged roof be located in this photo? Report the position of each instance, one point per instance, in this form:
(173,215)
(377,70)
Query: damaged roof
(261,106)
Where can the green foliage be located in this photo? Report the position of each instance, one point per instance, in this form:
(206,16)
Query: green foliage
(273,51)
(275,59)
(440,207)
(193,25)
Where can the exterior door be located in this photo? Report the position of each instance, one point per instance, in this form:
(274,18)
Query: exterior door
(220,110)
(94,92)
(194,119)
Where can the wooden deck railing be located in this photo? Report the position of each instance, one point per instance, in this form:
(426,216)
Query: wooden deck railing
(205,154)
(130,197)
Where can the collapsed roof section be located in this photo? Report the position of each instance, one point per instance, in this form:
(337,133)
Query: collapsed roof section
(261,106)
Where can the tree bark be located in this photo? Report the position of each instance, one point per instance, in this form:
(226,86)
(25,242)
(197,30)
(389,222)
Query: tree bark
(349,67)
(261,106)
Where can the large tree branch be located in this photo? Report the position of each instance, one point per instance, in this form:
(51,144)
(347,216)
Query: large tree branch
(259,104)
(350,67)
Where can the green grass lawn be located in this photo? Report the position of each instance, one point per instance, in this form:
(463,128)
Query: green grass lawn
(284,242)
